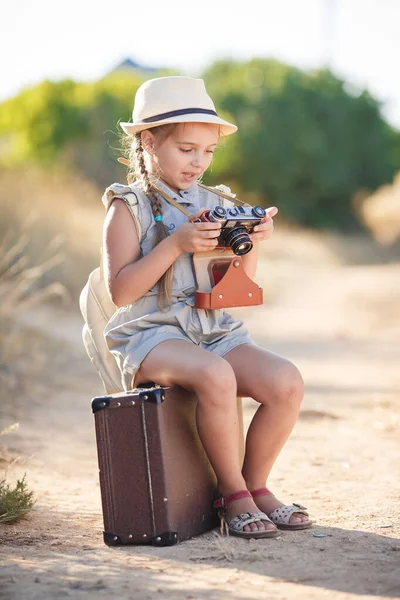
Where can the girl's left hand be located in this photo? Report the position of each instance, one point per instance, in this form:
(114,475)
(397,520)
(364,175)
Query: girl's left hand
(264,230)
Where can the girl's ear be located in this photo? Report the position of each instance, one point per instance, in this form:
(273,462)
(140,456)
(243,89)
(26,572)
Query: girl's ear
(148,141)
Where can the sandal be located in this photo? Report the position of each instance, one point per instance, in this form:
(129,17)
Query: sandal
(236,525)
(281,515)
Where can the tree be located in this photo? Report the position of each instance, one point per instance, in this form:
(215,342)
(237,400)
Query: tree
(305,143)
(68,122)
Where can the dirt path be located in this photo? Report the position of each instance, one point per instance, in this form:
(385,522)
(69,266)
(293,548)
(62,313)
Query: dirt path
(338,325)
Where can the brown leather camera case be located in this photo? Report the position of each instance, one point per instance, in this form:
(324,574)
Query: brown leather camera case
(235,288)
(157,485)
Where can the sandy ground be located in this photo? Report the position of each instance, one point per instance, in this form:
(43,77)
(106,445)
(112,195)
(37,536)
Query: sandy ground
(340,324)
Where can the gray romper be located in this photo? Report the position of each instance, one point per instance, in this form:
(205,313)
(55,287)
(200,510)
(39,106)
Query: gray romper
(134,330)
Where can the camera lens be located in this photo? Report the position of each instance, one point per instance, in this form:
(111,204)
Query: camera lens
(259,211)
(239,241)
(217,214)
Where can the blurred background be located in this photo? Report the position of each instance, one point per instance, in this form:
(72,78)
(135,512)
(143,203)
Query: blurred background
(311,85)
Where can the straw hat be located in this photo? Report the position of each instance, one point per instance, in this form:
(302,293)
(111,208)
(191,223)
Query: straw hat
(174,100)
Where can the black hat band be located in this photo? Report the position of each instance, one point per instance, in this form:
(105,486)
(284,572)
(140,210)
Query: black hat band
(178,113)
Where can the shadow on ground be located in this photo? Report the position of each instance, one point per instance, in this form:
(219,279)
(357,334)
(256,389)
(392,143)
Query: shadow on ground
(84,564)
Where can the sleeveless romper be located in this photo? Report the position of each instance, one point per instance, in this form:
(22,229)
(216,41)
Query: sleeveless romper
(135,329)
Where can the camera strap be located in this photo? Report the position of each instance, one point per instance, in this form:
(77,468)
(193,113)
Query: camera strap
(218,192)
(168,198)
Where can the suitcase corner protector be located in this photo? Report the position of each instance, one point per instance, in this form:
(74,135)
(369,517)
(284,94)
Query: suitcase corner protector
(100,402)
(168,538)
(111,539)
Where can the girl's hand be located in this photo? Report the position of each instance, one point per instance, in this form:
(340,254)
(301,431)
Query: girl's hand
(197,237)
(264,230)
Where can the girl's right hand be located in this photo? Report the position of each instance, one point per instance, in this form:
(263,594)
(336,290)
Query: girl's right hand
(197,237)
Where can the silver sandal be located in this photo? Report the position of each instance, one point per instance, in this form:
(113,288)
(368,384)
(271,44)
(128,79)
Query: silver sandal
(281,515)
(236,525)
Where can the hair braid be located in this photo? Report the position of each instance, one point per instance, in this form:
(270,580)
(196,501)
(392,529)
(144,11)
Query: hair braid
(165,282)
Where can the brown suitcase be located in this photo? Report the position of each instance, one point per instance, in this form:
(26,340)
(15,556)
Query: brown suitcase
(157,485)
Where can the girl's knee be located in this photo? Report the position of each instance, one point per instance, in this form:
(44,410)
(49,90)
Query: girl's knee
(217,378)
(287,385)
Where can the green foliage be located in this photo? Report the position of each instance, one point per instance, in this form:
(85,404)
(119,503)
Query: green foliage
(15,502)
(41,119)
(68,121)
(305,143)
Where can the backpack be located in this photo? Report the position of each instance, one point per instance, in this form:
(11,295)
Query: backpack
(97,308)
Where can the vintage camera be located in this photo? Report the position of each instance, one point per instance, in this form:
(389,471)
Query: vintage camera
(236,225)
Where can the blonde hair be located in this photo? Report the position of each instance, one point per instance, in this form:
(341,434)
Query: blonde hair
(138,171)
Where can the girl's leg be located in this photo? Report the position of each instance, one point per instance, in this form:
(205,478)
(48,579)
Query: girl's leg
(212,379)
(277,385)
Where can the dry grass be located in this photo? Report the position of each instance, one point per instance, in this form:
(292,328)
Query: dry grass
(23,285)
(50,234)
(43,212)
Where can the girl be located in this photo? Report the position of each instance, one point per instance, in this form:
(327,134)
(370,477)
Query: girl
(158,335)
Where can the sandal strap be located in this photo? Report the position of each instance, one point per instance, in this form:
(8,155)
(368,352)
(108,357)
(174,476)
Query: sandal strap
(261,492)
(225,500)
(240,521)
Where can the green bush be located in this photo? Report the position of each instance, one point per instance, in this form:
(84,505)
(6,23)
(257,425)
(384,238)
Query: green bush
(305,142)
(75,123)
(15,502)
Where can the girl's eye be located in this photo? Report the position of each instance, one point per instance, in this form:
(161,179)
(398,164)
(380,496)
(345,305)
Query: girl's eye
(185,150)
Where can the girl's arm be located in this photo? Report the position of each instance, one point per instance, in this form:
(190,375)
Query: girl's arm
(128,277)
(261,232)
(250,261)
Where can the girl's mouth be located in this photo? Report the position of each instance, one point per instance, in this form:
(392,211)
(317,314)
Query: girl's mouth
(189,176)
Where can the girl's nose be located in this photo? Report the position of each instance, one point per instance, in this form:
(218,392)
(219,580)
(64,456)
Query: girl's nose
(196,160)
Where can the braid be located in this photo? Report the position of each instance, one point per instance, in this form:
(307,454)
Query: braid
(165,282)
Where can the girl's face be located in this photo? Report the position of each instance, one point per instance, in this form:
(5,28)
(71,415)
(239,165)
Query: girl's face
(184,155)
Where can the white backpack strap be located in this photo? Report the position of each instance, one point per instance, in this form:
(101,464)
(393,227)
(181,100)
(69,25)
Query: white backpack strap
(125,193)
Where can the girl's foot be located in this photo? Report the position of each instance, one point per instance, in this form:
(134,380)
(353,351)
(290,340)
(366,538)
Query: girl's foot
(247,505)
(267,503)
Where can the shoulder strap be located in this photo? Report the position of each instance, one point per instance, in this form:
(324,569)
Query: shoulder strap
(222,194)
(168,198)
(134,217)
